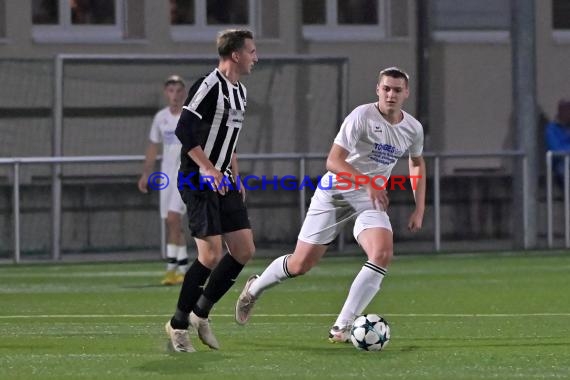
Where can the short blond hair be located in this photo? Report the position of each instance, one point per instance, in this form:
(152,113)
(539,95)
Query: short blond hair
(174,79)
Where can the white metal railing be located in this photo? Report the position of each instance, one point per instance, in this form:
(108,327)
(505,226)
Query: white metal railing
(301,158)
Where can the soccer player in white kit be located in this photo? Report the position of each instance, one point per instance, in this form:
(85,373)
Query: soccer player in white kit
(370,141)
(171,205)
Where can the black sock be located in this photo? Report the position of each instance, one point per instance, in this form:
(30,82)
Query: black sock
(191,290)
(221,280)
(182,262)
(180,320)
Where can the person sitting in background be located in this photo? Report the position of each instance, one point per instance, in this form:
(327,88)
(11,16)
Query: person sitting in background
(557,137)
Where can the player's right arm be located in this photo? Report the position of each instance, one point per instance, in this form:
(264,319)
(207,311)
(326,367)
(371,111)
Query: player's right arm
(351,131)
(154,139)
(336,163)
(149,161)
(201,98)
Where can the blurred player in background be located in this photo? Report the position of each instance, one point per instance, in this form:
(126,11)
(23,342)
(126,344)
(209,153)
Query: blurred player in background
(172,207)
(209,128)
(371,140)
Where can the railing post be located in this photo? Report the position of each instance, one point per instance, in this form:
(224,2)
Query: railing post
(566,201)
(16,211)
(163,241)
(436,204)
(549,216)
(526,228)
(57,151)
(302,194)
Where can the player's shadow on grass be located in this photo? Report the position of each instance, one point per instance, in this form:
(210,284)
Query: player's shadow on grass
(330,348)
(177,363)
(143,286)
(523,343)
(313,347)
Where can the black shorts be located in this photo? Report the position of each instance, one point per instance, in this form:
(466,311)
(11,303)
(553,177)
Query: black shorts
(211,214)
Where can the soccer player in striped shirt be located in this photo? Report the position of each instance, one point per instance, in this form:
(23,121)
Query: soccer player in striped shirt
(208,129)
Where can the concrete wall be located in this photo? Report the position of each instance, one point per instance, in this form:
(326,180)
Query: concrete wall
(470,96)
(470,106)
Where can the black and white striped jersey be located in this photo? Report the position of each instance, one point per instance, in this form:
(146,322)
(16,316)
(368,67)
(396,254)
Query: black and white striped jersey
(217,109)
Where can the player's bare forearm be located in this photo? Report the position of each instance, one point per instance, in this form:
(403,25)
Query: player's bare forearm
(417,169)
(198,156)
(148,166)
(235,173)
(150,158)
(207,169)
(235,167)
(336,163)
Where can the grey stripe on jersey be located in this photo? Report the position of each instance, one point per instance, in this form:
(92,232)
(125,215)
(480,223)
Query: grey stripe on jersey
(205,87)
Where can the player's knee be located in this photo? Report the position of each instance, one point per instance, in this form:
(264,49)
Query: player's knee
(210,258)
(242,252)
(381,257)
(248,254)
(173,222)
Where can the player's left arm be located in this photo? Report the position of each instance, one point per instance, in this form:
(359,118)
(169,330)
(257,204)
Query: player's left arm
(235,173)
(417,168)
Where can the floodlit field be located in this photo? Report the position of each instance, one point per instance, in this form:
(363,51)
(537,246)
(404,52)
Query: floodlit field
(492,316)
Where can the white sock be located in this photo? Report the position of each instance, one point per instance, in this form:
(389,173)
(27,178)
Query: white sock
(271,276)
(182,258)
(171,255)
(363,289)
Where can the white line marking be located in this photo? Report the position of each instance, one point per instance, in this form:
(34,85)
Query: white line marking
(285,315)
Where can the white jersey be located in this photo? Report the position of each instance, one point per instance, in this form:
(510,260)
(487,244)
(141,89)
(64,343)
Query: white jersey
(162,131)
(374,144)
(374,147)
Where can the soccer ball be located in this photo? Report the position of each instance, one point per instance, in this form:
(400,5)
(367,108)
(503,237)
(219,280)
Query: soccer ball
(370,332)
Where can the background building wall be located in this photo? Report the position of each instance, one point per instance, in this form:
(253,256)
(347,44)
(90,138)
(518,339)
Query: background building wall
(470,81)
(469,110)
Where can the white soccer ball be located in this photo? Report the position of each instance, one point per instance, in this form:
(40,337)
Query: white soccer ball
(370,332)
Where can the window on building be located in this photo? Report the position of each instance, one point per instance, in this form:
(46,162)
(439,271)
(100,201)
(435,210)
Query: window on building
(210,12)
(2,19)
(45,12)
(202,19)
(314,12)
(182,12)
(349,19)
(74,12)
(357,12)
(224,12)
(93,12)
(79,20)
(471,20)
(561,15)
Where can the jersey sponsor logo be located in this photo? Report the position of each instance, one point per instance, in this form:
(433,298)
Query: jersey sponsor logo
(385,154)
(235,119)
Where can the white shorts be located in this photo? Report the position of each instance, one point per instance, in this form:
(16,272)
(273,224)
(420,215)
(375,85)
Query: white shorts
(328,213)
(170,200)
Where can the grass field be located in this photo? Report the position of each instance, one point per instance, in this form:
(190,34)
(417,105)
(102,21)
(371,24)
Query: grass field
(491,316)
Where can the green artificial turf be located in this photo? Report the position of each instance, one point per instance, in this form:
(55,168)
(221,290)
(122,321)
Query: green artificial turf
(487,316)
